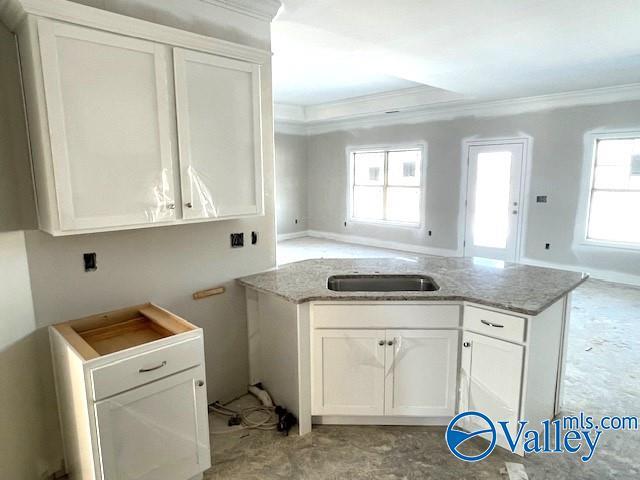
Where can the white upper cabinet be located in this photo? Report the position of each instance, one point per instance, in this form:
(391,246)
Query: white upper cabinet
(219,135)
(108,109)
(135,125)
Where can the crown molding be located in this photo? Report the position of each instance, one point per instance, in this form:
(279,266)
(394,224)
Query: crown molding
(289,128)
(461,108)
(380,103)
(289,113)
(13,12)
(262,9)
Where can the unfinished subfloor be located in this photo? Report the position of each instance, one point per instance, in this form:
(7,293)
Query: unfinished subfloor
(602,378)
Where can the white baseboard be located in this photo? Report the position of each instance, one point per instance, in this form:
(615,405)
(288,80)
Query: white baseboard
(607,275)
(374,242)
(292,235)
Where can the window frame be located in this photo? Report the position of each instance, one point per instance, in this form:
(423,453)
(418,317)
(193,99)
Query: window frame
(351,151)
(590,158)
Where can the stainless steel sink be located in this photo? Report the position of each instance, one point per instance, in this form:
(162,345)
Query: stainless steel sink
(382,283)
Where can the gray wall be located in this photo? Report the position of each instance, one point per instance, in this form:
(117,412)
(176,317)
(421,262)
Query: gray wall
(556,169)
(163,265)
(291,183)
(17,205)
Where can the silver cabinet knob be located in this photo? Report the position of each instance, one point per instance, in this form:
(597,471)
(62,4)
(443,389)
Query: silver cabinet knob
(466,344)
(199,383)
(390,342)
(381,342)
(171,206)
(188,205)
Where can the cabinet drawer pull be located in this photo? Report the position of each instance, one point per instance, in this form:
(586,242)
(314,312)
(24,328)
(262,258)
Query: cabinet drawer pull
(143,370)
(381,342)
(496,325)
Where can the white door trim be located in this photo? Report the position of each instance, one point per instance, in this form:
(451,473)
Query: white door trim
(527,145)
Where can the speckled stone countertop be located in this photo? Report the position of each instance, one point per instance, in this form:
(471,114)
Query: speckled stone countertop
(515,287)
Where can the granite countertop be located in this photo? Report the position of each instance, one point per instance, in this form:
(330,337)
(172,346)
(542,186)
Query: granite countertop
(515,287)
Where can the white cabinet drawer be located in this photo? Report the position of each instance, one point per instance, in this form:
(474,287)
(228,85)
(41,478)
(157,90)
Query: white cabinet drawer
(385,315)
(146,367)
(494,324)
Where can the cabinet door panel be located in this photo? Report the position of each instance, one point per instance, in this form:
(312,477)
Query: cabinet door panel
(156,432)
(421,369)
(108,111)
(491,377)
(348,372)
(219,132)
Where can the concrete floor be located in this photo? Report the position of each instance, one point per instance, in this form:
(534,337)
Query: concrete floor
(603,367)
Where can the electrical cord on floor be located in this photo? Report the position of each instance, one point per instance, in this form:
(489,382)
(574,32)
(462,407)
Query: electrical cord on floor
(259,417)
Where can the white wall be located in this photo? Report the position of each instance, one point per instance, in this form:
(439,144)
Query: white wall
(30,445)
(291,183)
(556,168)
(163,265)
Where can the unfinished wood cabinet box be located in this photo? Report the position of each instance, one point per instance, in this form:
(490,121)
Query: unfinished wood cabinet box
(129,378)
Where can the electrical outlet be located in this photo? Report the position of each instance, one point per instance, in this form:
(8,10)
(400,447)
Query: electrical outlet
(547,246)
(429,233)
(90,262)
(237,240)
(296,222)
(541,199)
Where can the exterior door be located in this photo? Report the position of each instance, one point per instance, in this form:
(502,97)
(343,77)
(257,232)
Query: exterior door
(348,372)
(491,378)
(108,112)
(493,201)
(219,135)
(158,431)
(421,370)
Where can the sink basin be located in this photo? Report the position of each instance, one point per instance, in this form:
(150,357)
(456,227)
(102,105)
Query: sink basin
(382,283)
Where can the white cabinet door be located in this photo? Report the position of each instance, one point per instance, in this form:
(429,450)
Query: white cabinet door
(348,372)
(219,135)
(421,370)
(491,378)
(108,112)
(156,432)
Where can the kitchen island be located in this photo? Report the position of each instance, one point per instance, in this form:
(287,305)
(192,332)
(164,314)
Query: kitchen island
(490,336)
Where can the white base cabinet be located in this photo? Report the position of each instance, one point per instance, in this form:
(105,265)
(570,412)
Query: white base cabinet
(132,396)
(390,372)
(491,378)
(407,362)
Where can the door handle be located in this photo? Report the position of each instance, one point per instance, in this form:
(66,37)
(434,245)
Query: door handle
(151,369)
(496,325)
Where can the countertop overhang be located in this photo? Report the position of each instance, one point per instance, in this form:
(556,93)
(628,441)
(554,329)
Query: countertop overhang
(518,288)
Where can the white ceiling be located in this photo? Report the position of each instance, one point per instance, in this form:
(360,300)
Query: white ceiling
(327,50)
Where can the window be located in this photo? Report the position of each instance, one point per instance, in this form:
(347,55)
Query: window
(386,186)
(614,207)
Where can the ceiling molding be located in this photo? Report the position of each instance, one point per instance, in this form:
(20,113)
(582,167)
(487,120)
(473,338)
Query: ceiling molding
(289,128)
(289,113)
(262,9)
(461,108)
(379,103)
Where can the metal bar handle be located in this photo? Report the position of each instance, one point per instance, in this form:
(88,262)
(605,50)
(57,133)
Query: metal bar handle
(496,325)
(144,370)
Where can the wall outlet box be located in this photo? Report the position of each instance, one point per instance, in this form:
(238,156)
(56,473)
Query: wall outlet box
(237,240)
(541,199)
(90,262)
